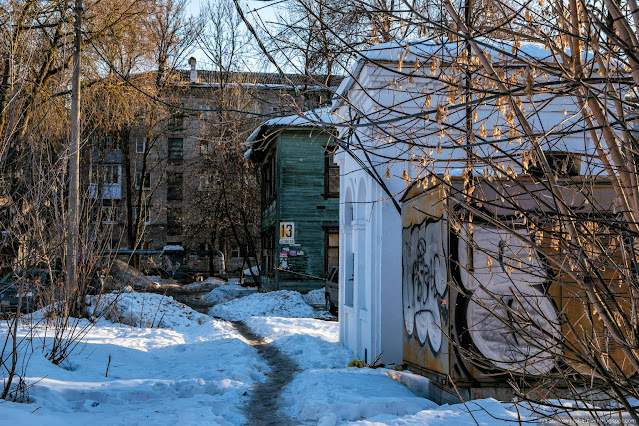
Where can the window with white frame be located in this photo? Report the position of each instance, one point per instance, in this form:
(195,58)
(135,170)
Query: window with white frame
(109,214)
(147,180)
(146,214)
(241,251)
(108,174)
(204,184)
(140,145)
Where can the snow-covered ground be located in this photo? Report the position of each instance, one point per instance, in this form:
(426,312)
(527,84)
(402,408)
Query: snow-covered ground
(281,303)
(227,292)
(315,297)
(192,369)
(208,284)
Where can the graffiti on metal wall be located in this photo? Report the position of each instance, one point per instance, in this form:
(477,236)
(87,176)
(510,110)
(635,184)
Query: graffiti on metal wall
(424,282)
(509,317)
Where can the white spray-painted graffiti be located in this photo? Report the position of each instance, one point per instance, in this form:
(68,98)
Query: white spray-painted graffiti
(424,282)
(510,320)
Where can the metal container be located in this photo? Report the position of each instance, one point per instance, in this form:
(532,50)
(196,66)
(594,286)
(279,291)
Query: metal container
(447,264)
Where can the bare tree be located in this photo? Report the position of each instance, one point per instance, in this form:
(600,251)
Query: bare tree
(170,35)
(488,107)
(35,41)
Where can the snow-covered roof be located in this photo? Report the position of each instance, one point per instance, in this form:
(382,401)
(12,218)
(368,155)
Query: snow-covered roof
(320,117)
(423,49)
(426,49)
(312,118)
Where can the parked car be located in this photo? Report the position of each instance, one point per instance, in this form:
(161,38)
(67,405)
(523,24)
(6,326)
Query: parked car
(331,290)
(26,290)
(19,290)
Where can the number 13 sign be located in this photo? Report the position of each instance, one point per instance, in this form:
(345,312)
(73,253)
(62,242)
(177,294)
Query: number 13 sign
(287,233)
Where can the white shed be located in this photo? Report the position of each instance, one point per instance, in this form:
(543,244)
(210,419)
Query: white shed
(380,112)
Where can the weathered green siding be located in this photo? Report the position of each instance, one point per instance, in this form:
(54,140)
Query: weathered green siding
(269,216)
(300,179)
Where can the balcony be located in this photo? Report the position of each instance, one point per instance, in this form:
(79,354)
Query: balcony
(111,191)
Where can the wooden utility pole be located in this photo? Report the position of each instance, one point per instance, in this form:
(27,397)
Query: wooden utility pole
(74,161)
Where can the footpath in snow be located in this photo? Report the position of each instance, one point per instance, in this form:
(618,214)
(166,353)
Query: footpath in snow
(151,360)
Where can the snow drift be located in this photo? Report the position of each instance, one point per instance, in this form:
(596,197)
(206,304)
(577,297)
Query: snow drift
(282,303)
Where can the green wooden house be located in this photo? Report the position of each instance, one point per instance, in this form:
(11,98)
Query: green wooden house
(300,200)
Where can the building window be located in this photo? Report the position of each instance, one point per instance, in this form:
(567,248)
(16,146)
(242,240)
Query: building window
(268,251)
(174,187)
(105,141)
(108,174)
(147,180)
(109,215)
(176,122)
(241,251)
(331,173)
(278,110)
(140,145)
(173,221)
(175,150)
(205,147)
(268,181)
(564,164)
(204,184)
(331,248)
(146,214)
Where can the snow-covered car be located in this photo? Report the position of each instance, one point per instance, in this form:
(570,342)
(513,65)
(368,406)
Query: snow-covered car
(331,290)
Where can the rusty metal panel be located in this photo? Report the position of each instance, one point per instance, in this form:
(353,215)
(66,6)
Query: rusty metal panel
(443,270)
(424,281)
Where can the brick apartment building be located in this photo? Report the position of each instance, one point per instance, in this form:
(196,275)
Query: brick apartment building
(167,170)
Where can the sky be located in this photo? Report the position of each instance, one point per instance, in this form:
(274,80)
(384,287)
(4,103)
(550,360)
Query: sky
(265,10)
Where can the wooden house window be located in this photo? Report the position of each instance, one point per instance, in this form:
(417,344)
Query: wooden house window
(268,182)
(268,251)
(331,248)
(331,174)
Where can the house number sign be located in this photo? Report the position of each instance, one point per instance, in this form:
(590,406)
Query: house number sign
(287,233)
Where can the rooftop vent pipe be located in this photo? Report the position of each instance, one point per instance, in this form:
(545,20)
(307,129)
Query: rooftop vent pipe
(193,63)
